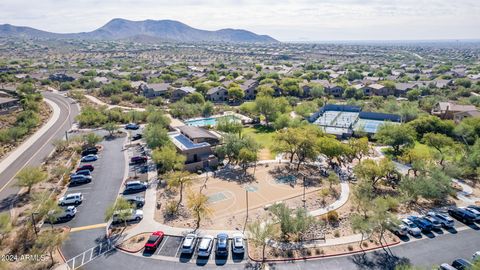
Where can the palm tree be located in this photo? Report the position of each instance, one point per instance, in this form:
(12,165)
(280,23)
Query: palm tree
(198,203)
(179,179)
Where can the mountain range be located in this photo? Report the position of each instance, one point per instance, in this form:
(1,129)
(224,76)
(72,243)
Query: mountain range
(152,30)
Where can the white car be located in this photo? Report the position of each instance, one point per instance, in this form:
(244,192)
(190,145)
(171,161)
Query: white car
(189,242)
(66,213)
(205,246)
(133,214)
(473,212)
(476,256)
(238,244)
(73,198)
(411,227)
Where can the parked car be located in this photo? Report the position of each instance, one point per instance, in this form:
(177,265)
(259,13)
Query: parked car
(189,242)
(461,264)
(89,158)
(153,241)
(205,246)
(399,230)
(446,266)
(422,223)
(461,214)
(222,244)
(86,167)
(80,179)
(238,245)
(136,201)
(83,172)
(476,207)
(138,160)
(446,221)
(73,198)
(66,213)
(134,187)
(132,126)
(133,214)
(436,225)
(474,212)
(411,227)
(90,151)
(137,136)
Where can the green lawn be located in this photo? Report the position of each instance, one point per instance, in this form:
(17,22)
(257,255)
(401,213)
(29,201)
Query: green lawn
(261,134)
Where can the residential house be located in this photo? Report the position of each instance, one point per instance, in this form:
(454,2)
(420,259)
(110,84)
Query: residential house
(61,77)
(217,94)
(154,89)
(334,90)
(250,89)
(381,90)
(401,89)
(458,117)
(179,93)
(448,110)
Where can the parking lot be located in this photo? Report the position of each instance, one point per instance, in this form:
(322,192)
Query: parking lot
(171,247)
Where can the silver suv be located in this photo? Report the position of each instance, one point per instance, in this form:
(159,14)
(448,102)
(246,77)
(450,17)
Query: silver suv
(73,198)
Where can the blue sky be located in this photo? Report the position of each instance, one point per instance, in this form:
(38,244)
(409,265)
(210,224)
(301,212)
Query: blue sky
(286,20)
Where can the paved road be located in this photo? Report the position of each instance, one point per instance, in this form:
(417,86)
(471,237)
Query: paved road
(424,253)
(36,153)
(98,196)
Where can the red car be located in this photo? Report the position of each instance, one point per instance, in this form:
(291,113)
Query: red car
(85,167)
(154,240)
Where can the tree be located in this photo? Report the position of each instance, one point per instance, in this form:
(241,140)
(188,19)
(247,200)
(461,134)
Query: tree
(111,127)
(179,179)
(265,105)
(333,149)
(293,224)
(245,157)
(361,224)
(236,94)
(317,90)
(439,142)
(50,240)
(29,176)
(434,185)
(156,136)
(229,125)
(50,210)
(168,159)
(358,148)
(373,172)
(91,139)
(121,208)
(260,231)
(233,144)
(158,118)
(396,136)
(5,225)
(60,145)
(198,204)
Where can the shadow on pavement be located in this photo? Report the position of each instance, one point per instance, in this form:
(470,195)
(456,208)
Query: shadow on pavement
(202,261)
(238,257)
(220,260)
(185,258)
(378,260)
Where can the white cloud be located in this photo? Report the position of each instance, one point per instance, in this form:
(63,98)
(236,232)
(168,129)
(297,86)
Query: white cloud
(282,19)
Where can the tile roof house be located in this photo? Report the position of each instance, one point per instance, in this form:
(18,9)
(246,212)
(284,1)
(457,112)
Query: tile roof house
(459,116)
(401,89)
(448,110)
(250,89)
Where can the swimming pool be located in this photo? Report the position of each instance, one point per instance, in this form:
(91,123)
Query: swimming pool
(208,121)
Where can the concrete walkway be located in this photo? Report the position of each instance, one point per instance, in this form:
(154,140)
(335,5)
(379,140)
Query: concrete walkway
(101,103)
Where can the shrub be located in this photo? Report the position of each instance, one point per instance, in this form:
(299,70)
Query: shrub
(350,248)
(332,216)
(115,99)
(336,233)
(171,208)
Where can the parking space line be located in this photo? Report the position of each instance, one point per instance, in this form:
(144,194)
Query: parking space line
(178,249)
(164,241)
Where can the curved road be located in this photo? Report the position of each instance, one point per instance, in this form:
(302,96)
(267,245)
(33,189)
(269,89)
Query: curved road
(36,153)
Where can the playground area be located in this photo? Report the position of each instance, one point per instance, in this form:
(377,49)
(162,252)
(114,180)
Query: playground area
(228,190)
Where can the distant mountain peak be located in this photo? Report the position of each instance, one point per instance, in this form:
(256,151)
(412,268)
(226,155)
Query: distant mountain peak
(161,30)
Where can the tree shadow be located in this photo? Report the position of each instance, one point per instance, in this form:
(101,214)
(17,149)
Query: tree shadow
(235,174)
(378,260)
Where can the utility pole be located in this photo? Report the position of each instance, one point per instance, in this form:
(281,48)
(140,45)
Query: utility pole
(66,136)
(34,224)
(304,199)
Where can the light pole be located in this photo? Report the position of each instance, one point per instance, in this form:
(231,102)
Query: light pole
(246,217)
(304,199)
(34,223)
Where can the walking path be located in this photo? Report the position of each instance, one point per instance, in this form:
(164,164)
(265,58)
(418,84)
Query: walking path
(101,103)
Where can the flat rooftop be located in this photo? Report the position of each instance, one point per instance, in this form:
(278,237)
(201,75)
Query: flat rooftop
(182,142)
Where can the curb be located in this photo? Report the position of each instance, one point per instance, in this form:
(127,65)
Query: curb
(127,250)
(320,256)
